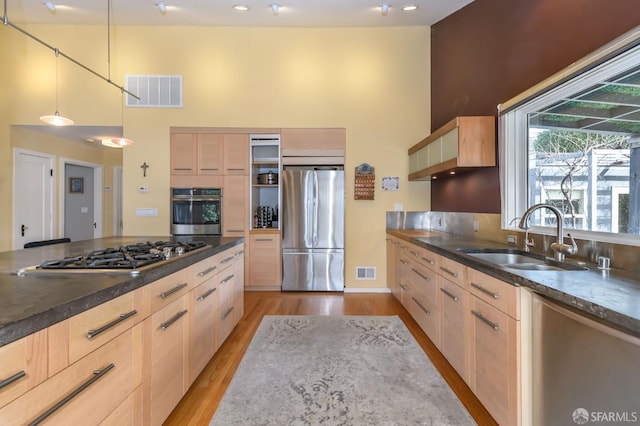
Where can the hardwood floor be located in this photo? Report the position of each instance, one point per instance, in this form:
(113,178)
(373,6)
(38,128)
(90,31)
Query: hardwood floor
(202,399)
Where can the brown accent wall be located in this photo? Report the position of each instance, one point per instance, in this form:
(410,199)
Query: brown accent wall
(491,50)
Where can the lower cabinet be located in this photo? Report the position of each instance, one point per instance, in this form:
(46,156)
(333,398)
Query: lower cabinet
(265,270)
(128,361)
(471,317)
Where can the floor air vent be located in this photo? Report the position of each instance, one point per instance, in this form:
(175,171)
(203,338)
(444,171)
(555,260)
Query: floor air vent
(365,272)
(155,91)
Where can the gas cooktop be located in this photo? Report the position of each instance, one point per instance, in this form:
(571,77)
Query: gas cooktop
(127,259)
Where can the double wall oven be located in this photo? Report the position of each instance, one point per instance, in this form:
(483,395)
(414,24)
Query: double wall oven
(196,211)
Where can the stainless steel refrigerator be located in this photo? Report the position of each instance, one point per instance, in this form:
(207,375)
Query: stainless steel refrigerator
(312,215)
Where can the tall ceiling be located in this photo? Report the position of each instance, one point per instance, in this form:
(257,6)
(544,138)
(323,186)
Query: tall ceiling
(292,13)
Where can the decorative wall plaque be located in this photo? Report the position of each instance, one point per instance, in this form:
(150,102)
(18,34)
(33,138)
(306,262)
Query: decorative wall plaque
(364,182)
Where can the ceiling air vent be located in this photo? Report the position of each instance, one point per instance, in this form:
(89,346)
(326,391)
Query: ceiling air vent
(155,91)
(365,272)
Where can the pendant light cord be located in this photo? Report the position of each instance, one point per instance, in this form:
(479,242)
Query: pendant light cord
(56,51)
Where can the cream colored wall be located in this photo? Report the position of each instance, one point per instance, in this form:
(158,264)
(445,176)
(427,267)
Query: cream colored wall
(372,81)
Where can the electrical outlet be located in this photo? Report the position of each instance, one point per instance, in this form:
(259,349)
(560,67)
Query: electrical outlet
(512,239)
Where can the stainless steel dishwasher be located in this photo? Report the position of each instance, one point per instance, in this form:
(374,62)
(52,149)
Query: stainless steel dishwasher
(583,371)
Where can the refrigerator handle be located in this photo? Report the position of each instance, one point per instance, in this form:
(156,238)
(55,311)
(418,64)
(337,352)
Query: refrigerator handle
(315,209)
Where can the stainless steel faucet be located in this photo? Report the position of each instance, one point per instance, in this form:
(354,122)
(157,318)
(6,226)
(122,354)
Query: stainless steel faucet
(559,247)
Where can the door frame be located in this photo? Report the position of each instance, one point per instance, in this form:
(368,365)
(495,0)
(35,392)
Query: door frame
(117,200)
(52,189)
(98,178)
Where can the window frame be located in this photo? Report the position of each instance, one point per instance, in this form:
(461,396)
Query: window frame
(513,137)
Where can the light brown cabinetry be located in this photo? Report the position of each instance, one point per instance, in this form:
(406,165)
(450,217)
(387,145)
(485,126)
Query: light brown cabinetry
(235,211)
(321,146)
(463,144)
(265,270)
(196,159)
(473,319)
(23,365)
(236,154)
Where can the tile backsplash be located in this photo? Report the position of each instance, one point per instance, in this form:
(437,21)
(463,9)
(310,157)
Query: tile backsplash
(485,226)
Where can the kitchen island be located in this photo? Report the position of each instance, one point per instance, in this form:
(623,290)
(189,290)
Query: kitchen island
(116,345)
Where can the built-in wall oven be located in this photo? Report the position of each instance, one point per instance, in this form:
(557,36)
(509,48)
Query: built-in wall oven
(196,211)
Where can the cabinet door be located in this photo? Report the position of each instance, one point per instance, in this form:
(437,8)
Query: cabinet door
(235,212)
(391,264)
(494,368)
(450,145)
(455,326)
(266,260)
(101,380)
(236,154)
(183,157)
(165,377)
(203,302)
(23,365)
(210,154)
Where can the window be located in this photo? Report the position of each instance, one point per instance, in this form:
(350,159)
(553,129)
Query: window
(575,144)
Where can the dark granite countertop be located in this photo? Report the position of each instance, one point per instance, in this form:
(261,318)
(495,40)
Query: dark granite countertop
(29,303)
(611,296)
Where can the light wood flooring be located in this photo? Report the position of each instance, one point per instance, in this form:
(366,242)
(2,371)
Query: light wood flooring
(202,399)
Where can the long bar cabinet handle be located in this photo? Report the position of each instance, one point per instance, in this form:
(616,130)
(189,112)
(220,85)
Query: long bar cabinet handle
(493,325)
(123,317)
(404,262)
(9,380)
(227,259)
(429,261)
(264,239)
(426,311)
(208,168)
(173,290)
(485,291)
(182,168)
(173,319)
(450,272)
(226,314)
(207,294)
(453,296)
(414,253)
(235,230)
(97,375)
(226,279)
(424,277)
(207,271)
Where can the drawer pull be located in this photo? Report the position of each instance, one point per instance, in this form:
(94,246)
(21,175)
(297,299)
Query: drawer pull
(173,319)
(9,380)
(404,262)
(264,239)
(421,275)
(208,168)
(224,281)
(404,287)
(123,317)
(227,259)
(240,253)
(493,325)
(450,272)
(395,243)
(181,168)
(452,296)
(429,261)
(207,271)
(485,291)
(426,311)
(226,314)
(97,375)
(414,253)
(235,230)
(173,290)
(235,169)
(207,294)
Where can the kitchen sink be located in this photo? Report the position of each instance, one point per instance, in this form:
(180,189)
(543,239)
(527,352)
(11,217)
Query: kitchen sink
(520,260)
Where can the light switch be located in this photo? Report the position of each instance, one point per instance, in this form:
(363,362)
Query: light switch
(84,209)
(146,212)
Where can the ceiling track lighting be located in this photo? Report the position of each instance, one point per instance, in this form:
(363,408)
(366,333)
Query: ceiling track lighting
(275,8)
(162,7)
(384,9)
(50,6)
(56,119)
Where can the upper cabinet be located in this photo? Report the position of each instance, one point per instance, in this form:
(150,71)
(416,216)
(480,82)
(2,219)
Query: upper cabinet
(236,154)
(463,144)
(313,146)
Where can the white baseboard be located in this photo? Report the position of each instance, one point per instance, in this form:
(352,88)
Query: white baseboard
(367,290)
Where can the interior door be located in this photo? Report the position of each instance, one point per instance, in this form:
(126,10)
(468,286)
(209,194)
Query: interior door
(33,212)
(79,220)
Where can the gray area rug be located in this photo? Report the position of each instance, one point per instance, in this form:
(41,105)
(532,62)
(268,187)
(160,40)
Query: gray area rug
(337,370)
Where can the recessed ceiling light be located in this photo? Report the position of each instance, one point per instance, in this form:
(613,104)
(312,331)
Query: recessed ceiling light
(50,6)
(385,9)
(275,8)
(241,7)
(409,7)
(162,7)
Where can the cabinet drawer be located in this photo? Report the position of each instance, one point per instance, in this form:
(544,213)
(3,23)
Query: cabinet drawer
(225,283)
(427,315)
(204,269)
(23,365)
(162,292)
(224,322)
(455,337)
(425,257)
(129,413)
(425,282)
(500,294)
(494,368)
(103,380)
(91,329)
(453,271)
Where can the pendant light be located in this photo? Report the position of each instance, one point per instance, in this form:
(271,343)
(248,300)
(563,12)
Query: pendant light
(120,142)
(56,119)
